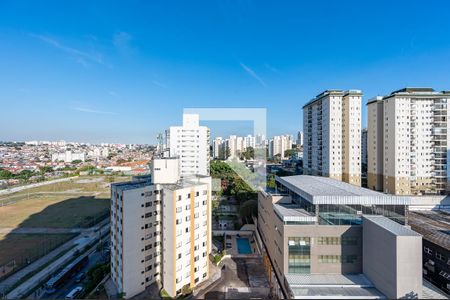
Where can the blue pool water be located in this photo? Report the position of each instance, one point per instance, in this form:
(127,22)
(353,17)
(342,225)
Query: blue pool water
(243,245)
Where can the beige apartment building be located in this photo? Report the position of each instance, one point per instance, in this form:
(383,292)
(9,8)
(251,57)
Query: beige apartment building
(160,230)
(332,135)
(408,142)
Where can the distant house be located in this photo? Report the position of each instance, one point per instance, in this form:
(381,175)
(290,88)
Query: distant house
(3,184)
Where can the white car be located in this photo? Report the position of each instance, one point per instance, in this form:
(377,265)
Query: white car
(76,292)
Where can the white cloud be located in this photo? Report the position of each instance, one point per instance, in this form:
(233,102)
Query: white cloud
(79,56)
(122,41)
(253,74)
(93,111)
(159,84)
(271,68)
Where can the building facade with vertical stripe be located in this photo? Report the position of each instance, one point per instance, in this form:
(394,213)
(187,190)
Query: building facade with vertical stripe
(160,230)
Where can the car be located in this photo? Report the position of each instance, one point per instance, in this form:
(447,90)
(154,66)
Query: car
(80,277)
(75,293)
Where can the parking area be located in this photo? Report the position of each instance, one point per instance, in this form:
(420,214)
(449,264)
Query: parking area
(241,278)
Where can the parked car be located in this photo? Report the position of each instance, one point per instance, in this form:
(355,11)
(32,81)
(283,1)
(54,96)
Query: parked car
(80,277)
(75,293)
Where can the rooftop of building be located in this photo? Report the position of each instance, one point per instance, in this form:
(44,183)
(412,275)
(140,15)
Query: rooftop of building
(434,226)
(325,190)
(410,91)
(289,212)
(391,226)
(333,92)
(332,286)
(142,181)
(335,286)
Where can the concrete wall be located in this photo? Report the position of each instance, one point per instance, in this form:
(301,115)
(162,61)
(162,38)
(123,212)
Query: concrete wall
(393,263)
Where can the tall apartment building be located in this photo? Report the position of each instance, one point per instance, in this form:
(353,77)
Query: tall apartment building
(332,141)
(249,141)
(218,145)
(279,144)
(327,239)
(190,143)
(300,137)
(160,230)
(408,142)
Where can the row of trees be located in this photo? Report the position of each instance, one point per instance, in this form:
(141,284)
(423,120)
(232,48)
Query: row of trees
(234,186)
(24,174)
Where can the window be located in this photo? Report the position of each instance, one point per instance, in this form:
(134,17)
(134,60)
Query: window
(335,259)
(299,258)
(440,256)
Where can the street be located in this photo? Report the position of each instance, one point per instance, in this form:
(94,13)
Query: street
(94,258)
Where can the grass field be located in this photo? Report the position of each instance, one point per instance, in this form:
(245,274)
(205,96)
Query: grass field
(20,247)
(78,203)
(54,211)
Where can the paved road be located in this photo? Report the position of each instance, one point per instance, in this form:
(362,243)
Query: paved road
(78,243)
(33,185)
(94,258)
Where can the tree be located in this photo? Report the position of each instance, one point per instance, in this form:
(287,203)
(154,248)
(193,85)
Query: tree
(290,152)
(25,175)
(248,210)
(5,174)
(76,161)
(271,181)
(249,153)
(186,290)
(46,169)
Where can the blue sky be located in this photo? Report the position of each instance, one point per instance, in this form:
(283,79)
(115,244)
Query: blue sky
(104,71)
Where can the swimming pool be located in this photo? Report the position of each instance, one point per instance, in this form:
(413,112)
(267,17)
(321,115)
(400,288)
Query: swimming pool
(243,245)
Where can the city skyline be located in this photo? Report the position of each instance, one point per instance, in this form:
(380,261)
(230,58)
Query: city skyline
(128,75)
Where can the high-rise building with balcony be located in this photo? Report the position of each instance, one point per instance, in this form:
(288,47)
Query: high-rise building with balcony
(408,142)
(332,135)
(279,144)
(160,230)
(218,148)
(190,143)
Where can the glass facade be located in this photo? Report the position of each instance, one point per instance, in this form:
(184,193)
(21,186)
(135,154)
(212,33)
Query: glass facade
(299,258)
(332,214)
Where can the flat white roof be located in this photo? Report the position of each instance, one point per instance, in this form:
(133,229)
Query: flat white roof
(293,213)
(391,226)
(324,190)
(332,286)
